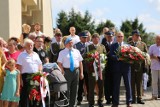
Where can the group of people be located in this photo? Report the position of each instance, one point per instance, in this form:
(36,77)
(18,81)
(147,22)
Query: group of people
(24,56)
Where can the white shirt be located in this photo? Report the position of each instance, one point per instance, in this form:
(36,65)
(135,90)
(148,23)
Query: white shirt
(53,40)
(29,63)
(64,58)
(155,51)
(101,38)
(75,39)
(38,34)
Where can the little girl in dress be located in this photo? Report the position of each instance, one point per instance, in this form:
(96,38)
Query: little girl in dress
(11,88)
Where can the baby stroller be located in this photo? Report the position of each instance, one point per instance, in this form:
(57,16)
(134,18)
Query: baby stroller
(57,85)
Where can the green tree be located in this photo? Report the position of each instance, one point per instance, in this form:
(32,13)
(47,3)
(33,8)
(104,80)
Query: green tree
(107,23)
(64,21)
(128,26)
(149,38)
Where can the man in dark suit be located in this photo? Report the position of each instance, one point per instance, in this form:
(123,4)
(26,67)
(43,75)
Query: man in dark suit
(108,78)
(81,46)
(38,48)
(120,69)
(137,69)
(56,47)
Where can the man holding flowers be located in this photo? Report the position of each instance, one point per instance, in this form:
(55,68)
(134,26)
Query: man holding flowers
(137,68)
(120,68)
(96,49)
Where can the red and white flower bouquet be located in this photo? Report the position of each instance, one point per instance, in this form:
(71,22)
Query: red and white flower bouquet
(38,83)
(96,62)
(130,54)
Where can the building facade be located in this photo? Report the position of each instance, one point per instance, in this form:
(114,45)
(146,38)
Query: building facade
(14,13)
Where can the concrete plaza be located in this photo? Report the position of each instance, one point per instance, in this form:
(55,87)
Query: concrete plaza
(147,99)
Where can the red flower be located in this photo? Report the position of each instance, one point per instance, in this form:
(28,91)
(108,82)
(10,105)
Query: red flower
(37,77)
(38,97)
(123,50)
(131,56)
(34,92)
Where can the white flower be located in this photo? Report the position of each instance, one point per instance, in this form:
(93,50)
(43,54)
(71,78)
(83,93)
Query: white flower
(31,82)
(102,58)
(36,83)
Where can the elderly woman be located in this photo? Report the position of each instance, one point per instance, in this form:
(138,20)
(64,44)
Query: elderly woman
(26,30)
(12,49)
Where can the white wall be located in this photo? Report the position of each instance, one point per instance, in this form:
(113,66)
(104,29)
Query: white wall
(10,18)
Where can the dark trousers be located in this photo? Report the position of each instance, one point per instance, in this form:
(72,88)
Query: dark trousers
(116,88)
(80,88)
(108,85)
(24,96)
(91,82)
(136,83)
(72,83)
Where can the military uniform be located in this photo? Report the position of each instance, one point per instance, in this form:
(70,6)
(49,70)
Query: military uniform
(82,48)
(54,51)
(108,76)
(91,76)
(137,70)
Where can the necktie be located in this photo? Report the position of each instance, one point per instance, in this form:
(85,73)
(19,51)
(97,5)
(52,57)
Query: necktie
(135,43)
(109,43)
(71,60)
(120,44)
(83,45)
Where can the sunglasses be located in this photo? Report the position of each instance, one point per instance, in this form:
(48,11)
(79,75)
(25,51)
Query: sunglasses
(119,36)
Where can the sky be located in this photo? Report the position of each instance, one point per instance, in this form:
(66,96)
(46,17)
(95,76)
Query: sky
(147,11)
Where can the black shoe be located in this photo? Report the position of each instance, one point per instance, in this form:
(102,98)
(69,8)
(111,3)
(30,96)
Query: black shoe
(100,105)
(158,96)
(133,102)
(79,103)
(140,102)
(114,105)
(90,105)
(108,102)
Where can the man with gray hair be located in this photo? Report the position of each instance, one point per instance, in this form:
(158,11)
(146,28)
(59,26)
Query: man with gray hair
(28,63)
(154,52)
(70,62)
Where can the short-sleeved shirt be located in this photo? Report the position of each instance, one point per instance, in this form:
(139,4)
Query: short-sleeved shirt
(64,58)
(75,39)
(29,62)
(38,34)
(12,55)
(155,51)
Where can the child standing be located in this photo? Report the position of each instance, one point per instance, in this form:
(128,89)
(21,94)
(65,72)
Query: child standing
(11,88)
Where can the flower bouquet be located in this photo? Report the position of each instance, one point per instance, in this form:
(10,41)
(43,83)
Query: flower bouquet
(96,62)
(90,57)
(103,60)
(130,54)
(37,84)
